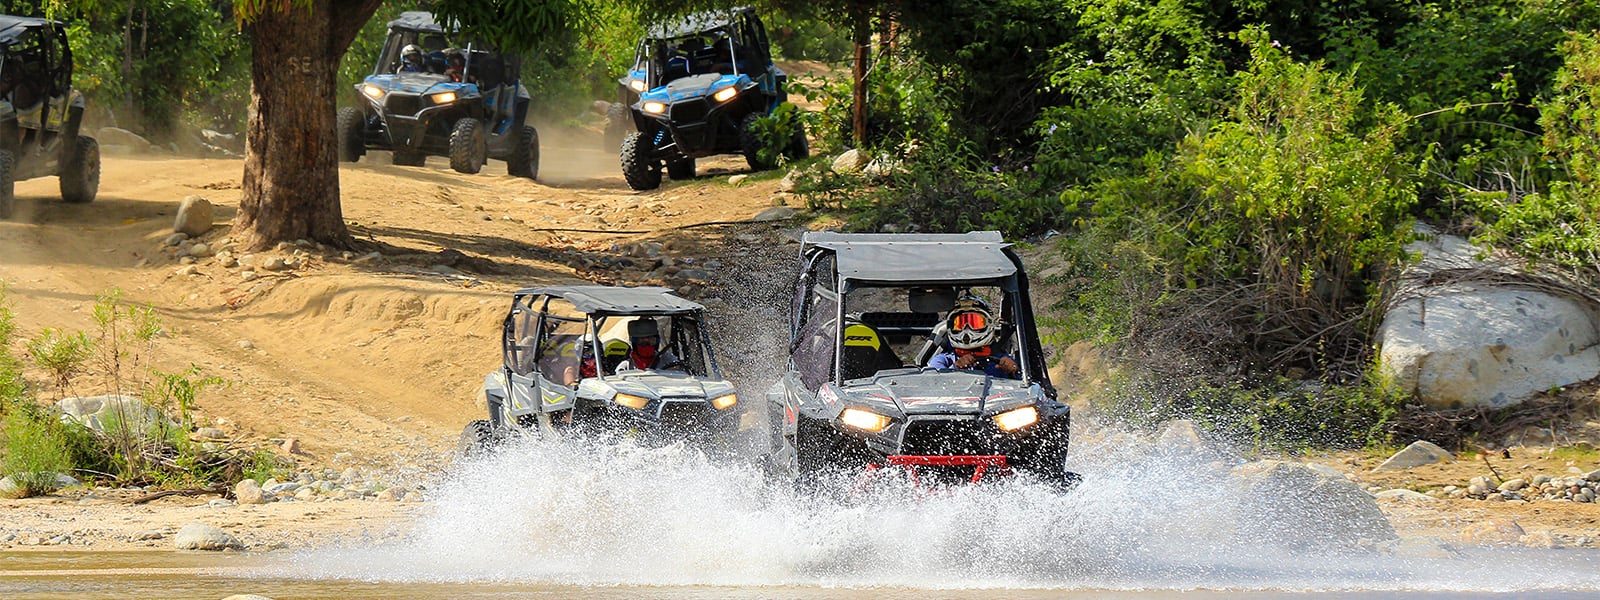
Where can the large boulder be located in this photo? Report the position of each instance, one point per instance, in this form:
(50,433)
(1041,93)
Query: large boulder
(195,216)
(112,413)
(200,536)
(852,161)
(1476,344)
(1417,454)
(1295,506)
(115,136)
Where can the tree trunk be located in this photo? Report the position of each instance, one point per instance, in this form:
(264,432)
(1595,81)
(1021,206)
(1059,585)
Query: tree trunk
(858,75)
(291,168)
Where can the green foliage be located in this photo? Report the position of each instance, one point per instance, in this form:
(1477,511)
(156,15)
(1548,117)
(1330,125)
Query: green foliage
(34,452)
(516,25)
(177,391)
(1559,228)
(62,354)
(777,132)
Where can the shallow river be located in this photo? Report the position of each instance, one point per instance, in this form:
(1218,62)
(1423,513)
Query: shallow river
(569,520)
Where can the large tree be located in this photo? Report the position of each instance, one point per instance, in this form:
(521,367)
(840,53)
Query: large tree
(291,169)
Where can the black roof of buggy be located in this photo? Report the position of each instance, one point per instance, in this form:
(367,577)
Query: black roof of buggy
(417,20)
(916,258)
(696,23)
(12,28)
(611,300)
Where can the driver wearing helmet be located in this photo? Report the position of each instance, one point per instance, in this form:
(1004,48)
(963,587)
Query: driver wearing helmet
(645,338)
(411,60)
(972,330)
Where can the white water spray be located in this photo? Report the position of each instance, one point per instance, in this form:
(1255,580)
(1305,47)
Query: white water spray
(581,512)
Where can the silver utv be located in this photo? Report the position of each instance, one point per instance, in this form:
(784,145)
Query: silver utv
(41,115)
(858,394)
(544,386)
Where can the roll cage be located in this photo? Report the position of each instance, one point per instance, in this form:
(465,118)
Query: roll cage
(547,332)
(730,43)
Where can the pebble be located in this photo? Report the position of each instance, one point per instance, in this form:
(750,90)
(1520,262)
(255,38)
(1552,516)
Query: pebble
(247,491)
(306,493)
(187,270)
(275,264)
(247,345)
(200,250)
(737,180)
(200,536)
(248,275)
(1513,485)
(148,534)
(175,239)
(291,446)
(1541,479)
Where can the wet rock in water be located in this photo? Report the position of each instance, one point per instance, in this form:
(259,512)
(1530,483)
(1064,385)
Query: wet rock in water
(1493,531)
(1298,507)
(195,216)
(200,536)
(1417,454)
(1513,485)
(247,491)
(776,213)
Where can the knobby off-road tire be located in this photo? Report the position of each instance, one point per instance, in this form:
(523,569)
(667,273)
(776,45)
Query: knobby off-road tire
(350,130)
(407,158)
(524,161)
(80,171)
(477,439)
(799,148)
(641,170)
(618,125)
(8,197)
(469,146)
(751,144)
(681,169)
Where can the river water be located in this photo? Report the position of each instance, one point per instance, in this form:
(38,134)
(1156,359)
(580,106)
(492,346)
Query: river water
(576,519)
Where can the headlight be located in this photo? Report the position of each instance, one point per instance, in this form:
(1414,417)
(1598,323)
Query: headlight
(723,402)
(637,85)
(372,91)
(725,94)
(1015,419)
(655,108)
(632,401)
(864,419)
(443,97)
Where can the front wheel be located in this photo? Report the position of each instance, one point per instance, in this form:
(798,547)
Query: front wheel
(617,125)
(352,142)
(469,146)
(751,144)
(524,161)
(80,171)
(639,165)
(477,439)
(8,197)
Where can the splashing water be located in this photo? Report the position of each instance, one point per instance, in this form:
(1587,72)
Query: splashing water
(578,512)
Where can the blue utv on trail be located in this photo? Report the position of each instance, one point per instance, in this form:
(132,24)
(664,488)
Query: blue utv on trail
(702,84)
(434,92)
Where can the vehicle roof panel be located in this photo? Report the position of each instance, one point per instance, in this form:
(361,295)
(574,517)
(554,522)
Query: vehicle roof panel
(12,27)
(695,23)
(416,20)
(618,300)
(917,258)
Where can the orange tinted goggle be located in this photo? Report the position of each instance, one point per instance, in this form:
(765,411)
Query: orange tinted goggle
(965,321)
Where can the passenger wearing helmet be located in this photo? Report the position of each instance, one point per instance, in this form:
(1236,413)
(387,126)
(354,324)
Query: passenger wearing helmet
(971,331)
(411,60)
(455,65)
(645,337)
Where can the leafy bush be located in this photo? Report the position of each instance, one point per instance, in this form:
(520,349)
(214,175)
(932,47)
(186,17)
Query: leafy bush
(62,354)
(34,452)
(777,132)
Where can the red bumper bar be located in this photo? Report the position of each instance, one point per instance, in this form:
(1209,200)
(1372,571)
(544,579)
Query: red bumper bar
(981,463)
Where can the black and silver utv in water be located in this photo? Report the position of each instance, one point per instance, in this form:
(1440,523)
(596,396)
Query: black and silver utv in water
(562,350)
(867,318)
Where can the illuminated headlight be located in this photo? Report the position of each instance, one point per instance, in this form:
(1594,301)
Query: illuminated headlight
(725,94)
(1015,419)
(443,97)
(723,402)
(632,401)
(372,91)
(636,84)
(655,108)
(865,420)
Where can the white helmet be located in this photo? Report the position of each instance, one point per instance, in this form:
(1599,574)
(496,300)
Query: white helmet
(409,51)
(970,326)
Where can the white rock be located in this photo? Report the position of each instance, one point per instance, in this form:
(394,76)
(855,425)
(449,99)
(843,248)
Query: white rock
(115,136)
(247,491)
(288,487)
(246,345)
(1417,454)
(1513,485)
(199,536)
(737,180)
(790,182)
(9,487)
(195,216)
(95,411)
(1464,345)
(275,264)
(1403,495)
(776,213)
(851,161)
